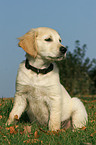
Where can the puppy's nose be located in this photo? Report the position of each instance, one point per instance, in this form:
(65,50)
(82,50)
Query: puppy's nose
(63,49)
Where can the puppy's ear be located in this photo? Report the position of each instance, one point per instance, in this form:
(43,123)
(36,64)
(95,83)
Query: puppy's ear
(28,43)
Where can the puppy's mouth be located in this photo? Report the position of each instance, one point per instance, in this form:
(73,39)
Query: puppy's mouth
(58,58)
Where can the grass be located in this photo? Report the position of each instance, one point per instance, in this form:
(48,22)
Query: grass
(25,132)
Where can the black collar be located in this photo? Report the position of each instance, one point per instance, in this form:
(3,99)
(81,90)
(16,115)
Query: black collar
(37,70)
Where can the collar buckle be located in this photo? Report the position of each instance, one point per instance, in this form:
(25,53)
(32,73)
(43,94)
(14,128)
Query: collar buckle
(38,71)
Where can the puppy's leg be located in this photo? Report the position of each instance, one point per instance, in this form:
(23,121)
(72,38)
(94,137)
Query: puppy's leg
(18,108)
(79,114)
(55,116)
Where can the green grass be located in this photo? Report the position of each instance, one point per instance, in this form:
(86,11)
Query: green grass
(17,135)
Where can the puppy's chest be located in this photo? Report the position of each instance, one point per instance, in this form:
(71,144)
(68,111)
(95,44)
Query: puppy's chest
(37,88)
(38,92)
(37,95)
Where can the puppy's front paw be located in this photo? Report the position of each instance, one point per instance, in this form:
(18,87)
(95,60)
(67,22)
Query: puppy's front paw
(54,126)
(9,121)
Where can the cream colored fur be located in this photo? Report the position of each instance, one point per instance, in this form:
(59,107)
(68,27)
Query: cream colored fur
(48,101)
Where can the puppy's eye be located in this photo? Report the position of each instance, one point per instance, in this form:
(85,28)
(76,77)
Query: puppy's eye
(48,39)
(60,40)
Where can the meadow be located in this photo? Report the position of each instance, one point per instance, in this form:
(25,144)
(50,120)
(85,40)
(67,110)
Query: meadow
(23,132)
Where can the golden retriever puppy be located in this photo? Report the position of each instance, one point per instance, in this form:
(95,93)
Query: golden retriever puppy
(38,86)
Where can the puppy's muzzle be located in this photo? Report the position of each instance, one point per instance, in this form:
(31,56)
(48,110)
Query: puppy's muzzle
(63,49)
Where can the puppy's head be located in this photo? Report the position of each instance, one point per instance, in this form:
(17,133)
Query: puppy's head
(44,42)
